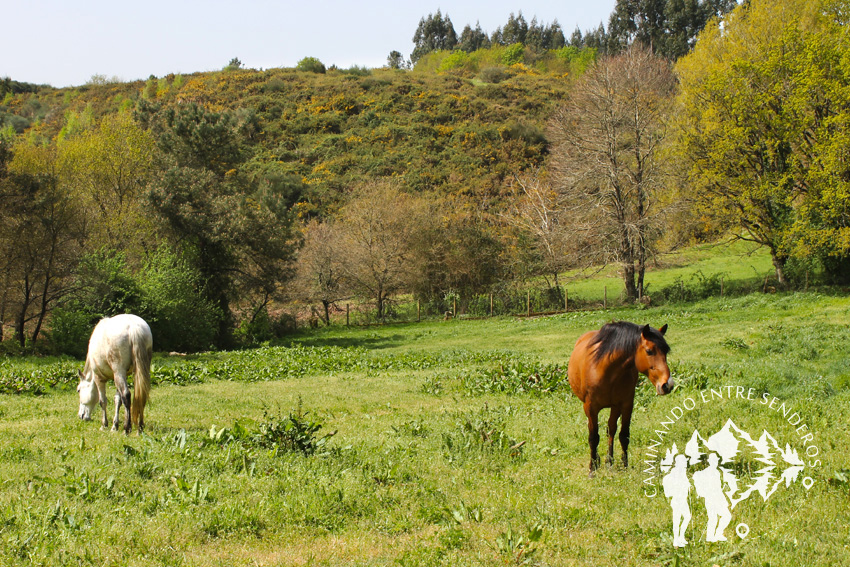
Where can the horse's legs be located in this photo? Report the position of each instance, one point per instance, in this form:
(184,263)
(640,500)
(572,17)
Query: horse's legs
(624,433)
(117,419)
(101,390)
(593,435)
(612,430)
(122,395)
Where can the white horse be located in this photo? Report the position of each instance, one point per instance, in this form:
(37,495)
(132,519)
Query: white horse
(119,345)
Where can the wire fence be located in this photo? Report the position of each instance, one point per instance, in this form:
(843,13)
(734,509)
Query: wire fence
(542,300)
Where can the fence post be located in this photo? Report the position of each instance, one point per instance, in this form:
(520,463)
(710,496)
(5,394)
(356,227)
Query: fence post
(491,304)
(605,299)
(454,307)
(418,310)
(566,299)
(528,301)
(347,310)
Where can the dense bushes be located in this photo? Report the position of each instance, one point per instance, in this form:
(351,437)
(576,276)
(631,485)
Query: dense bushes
(166,292)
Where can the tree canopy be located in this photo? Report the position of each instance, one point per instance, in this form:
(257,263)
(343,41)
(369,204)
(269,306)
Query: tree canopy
(763,127)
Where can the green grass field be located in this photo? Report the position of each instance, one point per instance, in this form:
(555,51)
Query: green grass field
(443,450)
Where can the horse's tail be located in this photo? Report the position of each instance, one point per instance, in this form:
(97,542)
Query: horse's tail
(142,345)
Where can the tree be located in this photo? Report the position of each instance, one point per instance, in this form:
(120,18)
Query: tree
(109,167)
(454,249)
(235,224)
(515,31)
(538,210)
(606,143)
(311,65)
(395,60)
(41,237)
(763,109)
(668,27)
(320,274)
(377,226)
(433,33)
(473,39)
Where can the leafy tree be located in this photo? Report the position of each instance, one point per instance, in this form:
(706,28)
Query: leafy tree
(515,31)
(109,167)
(234,65)
(553,36)
(454,249)
(762,128)
(41,237)
(434,33)
(237,226)
(669,27)
(605,154)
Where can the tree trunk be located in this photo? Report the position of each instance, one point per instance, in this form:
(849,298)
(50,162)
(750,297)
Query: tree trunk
(779,262)
(22,314)
(326,307)
(629,282)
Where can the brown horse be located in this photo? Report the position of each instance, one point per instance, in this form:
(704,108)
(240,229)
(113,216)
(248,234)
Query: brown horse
(603,373)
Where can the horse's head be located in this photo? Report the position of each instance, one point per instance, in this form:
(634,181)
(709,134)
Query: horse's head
(651,358)
(89,396)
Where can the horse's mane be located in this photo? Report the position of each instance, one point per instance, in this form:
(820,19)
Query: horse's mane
(622,337)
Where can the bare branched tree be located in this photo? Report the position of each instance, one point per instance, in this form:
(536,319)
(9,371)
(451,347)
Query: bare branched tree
(539,211)
(606,142)
(377,226)
(320,274)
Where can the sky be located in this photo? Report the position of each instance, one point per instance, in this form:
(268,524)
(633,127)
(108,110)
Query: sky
(65,42)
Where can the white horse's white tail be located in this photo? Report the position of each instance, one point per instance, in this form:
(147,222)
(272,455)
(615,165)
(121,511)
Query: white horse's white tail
(142,354)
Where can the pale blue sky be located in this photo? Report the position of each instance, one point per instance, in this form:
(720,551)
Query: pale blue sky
(66,42)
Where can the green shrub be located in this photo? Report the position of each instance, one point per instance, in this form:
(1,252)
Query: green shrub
(311,65)
(495,74)
(103,287)
(513,54)
(69,331)
(179,316)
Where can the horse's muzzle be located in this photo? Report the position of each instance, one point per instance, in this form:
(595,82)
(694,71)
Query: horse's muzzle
(665,387)
(84,413)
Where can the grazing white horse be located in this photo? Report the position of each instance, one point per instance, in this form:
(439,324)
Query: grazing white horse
(118,345)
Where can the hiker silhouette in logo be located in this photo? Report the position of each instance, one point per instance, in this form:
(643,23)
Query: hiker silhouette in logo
(676,487)
(708,484)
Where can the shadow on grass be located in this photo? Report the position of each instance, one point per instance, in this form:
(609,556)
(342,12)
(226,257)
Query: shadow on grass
(369,342)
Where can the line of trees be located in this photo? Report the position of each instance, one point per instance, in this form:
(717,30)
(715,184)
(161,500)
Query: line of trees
(437,33)
(668,27)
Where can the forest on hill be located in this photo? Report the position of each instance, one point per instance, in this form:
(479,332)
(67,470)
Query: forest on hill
(206,202)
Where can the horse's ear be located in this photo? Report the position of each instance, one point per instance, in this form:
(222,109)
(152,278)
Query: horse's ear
(663,329)
(80,372)
(645,330)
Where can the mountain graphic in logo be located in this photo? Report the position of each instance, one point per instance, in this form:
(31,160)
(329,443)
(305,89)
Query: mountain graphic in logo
(711,463)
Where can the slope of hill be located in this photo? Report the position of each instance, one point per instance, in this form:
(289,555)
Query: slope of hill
(439,132)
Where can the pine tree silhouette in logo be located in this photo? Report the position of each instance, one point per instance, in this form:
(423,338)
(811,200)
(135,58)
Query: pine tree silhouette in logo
(712,462)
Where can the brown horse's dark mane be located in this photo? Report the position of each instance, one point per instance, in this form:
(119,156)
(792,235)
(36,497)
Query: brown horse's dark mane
(622,337)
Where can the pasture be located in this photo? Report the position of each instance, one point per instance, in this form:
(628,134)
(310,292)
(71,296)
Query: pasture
(439,443)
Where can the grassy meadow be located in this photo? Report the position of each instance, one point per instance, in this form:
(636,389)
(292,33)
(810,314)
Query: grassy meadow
(438,443)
